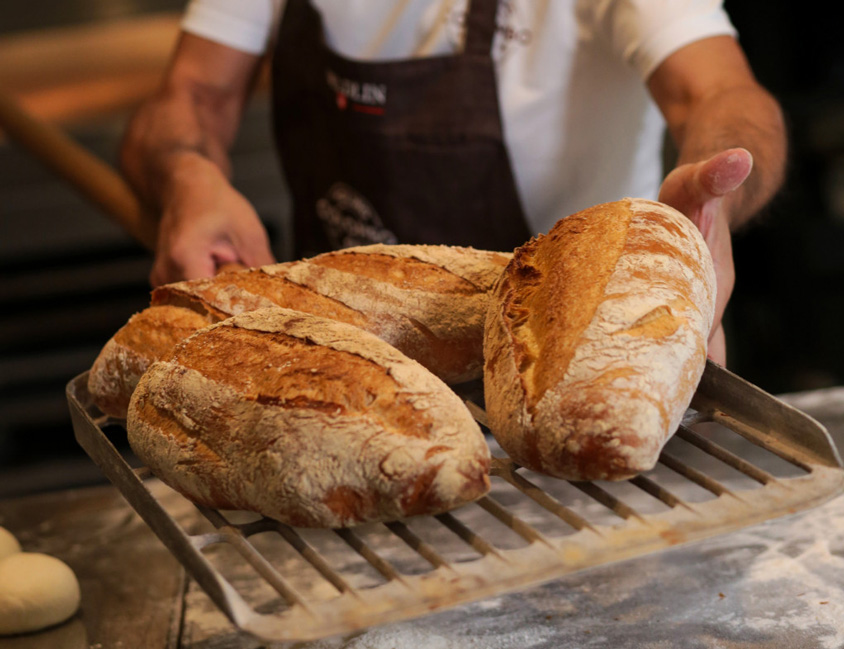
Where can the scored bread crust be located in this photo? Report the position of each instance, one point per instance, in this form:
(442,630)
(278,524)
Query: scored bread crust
(306,420)
(596,340)
(147,336)
(427,301)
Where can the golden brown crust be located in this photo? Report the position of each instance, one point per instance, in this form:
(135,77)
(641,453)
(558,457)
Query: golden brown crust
(217,298)
(570,276)
(231,293)
(427,301)
(146,337)
(408,275)
(306,420)
(596,338)
(312,376)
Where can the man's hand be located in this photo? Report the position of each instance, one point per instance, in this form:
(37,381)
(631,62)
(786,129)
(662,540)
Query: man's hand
(175,155)
(206,224)
(713,104)
(701,191)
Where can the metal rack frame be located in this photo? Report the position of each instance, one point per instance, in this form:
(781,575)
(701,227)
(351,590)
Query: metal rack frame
(740,457)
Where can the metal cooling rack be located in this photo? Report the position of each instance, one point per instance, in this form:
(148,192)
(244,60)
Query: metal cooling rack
(740,457)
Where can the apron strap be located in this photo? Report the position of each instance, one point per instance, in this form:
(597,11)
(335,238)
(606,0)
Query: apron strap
(480,26)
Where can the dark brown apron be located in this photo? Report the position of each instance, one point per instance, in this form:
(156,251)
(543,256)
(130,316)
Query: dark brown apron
(408,151)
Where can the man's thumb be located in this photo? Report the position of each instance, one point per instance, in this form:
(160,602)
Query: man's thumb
(726,171)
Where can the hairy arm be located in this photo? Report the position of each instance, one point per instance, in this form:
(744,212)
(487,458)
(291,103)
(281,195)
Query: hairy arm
(712,103)
(175,154)
(731,142)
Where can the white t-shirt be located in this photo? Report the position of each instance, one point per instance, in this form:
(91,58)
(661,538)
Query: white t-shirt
(578,122)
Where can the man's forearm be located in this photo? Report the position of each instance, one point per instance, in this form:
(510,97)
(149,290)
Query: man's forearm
(161,140)
(746,117)
(712,103)
(192,119)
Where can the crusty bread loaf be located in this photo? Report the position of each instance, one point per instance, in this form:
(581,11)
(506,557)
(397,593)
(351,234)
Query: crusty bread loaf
(596,339)
(306,420)
(146,337)
(427,301)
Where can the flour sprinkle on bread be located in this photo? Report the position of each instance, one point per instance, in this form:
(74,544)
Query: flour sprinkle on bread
(596,340)
(306,420)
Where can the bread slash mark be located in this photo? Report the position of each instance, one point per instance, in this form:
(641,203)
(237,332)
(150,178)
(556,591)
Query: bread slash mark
(656,323)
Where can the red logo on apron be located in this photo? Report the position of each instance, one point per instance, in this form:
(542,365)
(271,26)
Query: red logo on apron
(360,96)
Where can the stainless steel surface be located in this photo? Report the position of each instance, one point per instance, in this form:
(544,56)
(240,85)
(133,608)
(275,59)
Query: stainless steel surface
(277,583)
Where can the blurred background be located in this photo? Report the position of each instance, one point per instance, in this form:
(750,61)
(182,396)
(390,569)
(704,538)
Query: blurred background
(69,278)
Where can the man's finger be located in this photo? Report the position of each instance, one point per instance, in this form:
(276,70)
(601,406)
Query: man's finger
(254,248)
(194,265)
(725,172)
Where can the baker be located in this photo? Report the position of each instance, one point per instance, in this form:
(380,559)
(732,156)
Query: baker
(453,121)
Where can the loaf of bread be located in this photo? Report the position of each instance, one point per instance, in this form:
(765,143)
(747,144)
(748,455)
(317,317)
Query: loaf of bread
(427,301)
(596,340)
(306,420)
(146,337)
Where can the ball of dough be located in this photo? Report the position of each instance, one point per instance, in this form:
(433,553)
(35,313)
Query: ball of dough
(8,543)
(36,591)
